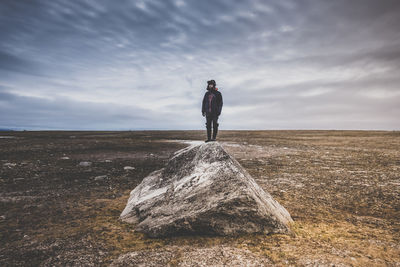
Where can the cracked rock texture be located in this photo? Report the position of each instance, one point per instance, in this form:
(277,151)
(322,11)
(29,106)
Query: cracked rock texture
(203,190)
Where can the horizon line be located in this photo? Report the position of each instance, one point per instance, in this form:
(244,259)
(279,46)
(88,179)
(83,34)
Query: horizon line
(142,130)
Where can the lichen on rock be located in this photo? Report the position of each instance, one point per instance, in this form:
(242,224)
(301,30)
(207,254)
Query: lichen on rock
(203,190)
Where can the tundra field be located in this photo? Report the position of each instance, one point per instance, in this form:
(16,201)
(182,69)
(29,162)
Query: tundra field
(61,194)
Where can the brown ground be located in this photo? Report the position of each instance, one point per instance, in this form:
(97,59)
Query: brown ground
(342,189)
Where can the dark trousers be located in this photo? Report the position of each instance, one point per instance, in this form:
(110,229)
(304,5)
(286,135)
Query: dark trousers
(214,121)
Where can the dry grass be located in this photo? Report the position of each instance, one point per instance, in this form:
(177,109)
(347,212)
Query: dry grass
(341,188)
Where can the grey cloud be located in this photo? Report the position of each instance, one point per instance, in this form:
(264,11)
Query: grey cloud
(39,113)
(335,57)
(336,92)
(9,62)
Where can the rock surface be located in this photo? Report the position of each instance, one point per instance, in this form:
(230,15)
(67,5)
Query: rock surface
(203,190)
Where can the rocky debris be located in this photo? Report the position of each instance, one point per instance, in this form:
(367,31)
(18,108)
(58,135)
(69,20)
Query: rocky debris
(203,190)
(14,199)
(64,158)
(85,163)
(9,164)
(128,168)
(100,177)
(191,256)
(78,251)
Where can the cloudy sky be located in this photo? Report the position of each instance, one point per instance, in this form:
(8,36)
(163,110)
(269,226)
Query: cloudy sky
(143,64)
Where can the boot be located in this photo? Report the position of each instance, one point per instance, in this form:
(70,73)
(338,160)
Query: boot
(208,135)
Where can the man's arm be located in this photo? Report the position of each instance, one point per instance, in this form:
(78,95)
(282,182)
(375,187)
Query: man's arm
(203,106)
(220,104)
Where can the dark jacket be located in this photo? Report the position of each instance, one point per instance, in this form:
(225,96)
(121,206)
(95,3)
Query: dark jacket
(212,103)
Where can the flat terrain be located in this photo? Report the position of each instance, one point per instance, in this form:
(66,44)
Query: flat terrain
(61,194)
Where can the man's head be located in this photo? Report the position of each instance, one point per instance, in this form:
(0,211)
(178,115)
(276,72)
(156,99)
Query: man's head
(211,84)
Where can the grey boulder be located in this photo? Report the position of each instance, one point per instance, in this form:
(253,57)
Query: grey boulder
(203,190)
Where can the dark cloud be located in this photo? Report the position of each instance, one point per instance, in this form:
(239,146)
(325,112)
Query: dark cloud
(279,64)
(9,62)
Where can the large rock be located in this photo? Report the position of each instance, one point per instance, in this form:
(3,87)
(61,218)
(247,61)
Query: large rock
(203,190)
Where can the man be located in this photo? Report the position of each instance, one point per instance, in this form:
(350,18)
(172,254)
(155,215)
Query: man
(211,109)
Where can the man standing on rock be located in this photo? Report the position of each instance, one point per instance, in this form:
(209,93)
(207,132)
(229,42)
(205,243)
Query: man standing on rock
(211,109)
